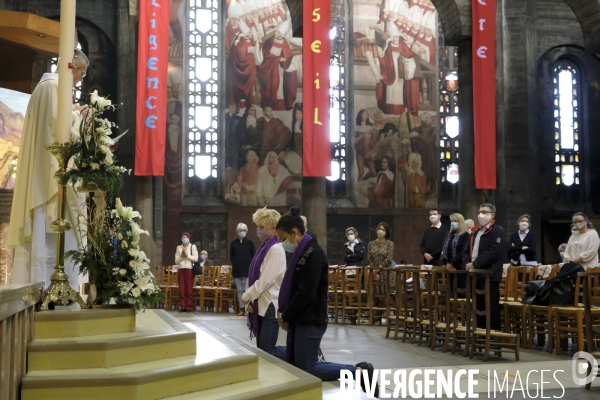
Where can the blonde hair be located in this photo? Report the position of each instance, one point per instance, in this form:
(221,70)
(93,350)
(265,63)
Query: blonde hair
(267,217)
(462,227)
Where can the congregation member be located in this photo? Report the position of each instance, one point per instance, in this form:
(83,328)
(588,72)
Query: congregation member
(354,252)
(185,255)
(521,249)
(583,246)
(470,224)
(561,253)
(264,282)
(380,253)
(204,261)
(433,239)
(241,252)
(486,249)
(303,302)
(288,253)
(455,245)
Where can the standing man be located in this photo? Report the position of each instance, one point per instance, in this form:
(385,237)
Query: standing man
(488,245)
(433,239)
(241,253)
(36,190)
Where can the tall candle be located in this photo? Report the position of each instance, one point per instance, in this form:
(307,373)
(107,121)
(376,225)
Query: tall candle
(65,79)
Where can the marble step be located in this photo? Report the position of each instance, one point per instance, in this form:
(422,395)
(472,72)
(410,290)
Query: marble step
(158,336)
(81,323)
(144,381)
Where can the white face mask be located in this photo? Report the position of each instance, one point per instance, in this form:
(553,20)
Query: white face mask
(524,225)
(351,238)
(579,225)
(381,233)
(562,254)
(433,218)
(484,219)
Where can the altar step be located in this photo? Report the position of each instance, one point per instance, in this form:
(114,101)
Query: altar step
(153,356)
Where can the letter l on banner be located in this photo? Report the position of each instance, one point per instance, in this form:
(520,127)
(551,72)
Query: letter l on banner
(316,54)
(151,107)
(484,92)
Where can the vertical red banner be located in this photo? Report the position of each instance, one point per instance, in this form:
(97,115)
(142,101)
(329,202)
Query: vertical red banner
(484,92)
(316,51)
(151,107)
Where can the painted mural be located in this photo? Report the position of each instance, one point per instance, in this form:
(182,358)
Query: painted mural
(263,123)
(13,106)
(395,92)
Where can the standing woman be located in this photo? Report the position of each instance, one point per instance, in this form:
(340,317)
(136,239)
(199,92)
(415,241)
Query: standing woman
(185,255)
(583,244)
(264,282)
(381,254)
(241,252)
(522,244)
(354,252)
(455,245)
(303,301)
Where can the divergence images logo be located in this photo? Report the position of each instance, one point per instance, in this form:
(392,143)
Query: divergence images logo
(580,368)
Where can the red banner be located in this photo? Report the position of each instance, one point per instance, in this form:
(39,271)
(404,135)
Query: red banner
(316,45)
(484,92)
(151,108)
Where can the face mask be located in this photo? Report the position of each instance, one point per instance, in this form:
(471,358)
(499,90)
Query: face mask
(579,225)
(433,218)
(289,247)
(185,240)
(263,234)
(524,226)
(351,238)
(484,219)
(562,254)
(242,235)
(203,257)
(454,226)
(381,233)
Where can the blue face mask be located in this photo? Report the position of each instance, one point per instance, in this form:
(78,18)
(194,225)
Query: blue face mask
(454,226)
(185,240)
(242,234)
(289,247)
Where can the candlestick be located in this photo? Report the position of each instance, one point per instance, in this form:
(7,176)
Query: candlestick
(65,75)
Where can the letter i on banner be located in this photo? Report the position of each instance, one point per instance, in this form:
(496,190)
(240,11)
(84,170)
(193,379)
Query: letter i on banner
(316,53)
(484,92)
(151,106)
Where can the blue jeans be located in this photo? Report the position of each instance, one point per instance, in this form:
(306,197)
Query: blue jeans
(240,285)
(307,340)
(268,330)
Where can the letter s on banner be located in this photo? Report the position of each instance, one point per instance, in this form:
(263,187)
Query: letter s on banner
(151,106)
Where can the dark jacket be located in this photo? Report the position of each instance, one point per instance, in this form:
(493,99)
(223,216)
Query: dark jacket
(308,304)
(514,252)
(456,258)
(241,255)
(288,255)
(356,257)
(492,250)
(432,243)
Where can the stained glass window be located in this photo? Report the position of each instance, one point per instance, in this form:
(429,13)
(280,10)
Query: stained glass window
(202,80)
(566,123)
(449,92)
(337,74)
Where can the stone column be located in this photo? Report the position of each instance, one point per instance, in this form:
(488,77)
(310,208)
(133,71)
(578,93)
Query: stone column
(314,207)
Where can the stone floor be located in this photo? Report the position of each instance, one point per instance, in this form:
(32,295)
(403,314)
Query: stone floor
(348,344)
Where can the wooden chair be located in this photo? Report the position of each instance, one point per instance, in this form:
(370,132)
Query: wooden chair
(208,288)
(486,338)
(425,305)
(172,291)
(378,295)
(403,298)
(591,309)
(225,294)
(439,298)
(352,295)
(515,313)
(460,312)
(162,278)
(334,293)
(411,295)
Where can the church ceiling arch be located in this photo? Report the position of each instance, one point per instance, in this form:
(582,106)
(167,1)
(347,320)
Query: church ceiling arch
(588,14)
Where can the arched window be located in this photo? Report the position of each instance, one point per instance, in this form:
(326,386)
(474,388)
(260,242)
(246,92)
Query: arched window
(202,81)
(336,186)
(566,92)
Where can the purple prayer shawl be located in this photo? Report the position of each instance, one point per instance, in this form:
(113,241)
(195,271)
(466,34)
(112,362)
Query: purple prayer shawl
(285,294)
(253,276)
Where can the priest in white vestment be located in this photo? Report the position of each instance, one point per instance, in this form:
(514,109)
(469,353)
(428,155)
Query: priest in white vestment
(35,193)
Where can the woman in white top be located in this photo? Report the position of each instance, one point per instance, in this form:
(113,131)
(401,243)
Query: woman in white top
(583,244)
(264,281)
(185,255)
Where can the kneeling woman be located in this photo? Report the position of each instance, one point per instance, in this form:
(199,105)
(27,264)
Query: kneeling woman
(303,301)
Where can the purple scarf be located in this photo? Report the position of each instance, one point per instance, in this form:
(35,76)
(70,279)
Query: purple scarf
(253,276)
(285,294)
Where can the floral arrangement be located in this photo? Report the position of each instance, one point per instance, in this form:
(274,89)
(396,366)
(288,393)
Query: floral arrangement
(120,270)
(94,160)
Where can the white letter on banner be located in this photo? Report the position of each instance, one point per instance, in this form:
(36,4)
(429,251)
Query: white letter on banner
(148,104)
(150,121)
(154,4)
(481,21)
(481,52)
(483,3)
(152,42)
(152,82)
(151,64)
